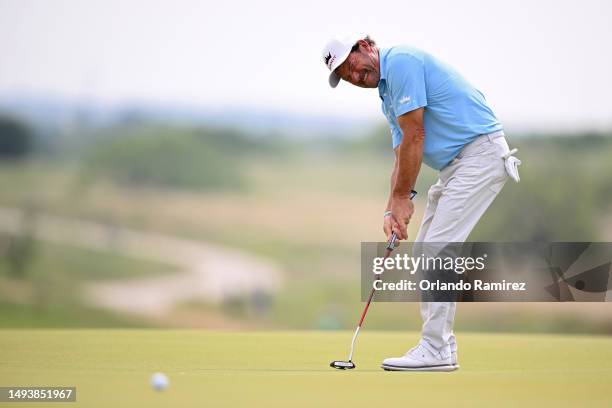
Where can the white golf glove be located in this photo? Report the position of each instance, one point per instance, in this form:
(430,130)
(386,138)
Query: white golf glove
(512,164)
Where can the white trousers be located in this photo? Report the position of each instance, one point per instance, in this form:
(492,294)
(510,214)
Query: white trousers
(465,189)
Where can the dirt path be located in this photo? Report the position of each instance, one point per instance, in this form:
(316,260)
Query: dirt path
(209,272)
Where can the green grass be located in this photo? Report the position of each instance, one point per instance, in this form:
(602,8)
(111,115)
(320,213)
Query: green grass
(48,295)
(112,368)
(80,264)
(62,316)
(94,265)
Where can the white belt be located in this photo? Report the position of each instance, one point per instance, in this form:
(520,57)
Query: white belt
(478,141)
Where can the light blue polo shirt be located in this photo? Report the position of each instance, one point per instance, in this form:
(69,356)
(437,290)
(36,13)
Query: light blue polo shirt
(455,112)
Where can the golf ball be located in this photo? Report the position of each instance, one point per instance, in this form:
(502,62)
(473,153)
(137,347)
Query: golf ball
(159,381)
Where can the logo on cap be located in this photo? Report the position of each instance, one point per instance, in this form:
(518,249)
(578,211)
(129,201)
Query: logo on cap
(329,60)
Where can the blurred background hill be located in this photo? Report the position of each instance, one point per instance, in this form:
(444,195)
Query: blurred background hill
(162,165)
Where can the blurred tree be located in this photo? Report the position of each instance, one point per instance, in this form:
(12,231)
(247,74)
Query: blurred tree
(16,139)
(376,140)
(19,254)
(19,251)
(564,191)
(165,157)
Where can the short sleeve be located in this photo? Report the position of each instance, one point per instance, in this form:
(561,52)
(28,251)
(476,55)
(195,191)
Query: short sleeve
(406,83)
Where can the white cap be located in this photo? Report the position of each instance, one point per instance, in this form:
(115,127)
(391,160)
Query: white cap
(334,54)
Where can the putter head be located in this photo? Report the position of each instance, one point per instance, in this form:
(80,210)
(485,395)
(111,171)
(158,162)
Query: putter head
(342,365)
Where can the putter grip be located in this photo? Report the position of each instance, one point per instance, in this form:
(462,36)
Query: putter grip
(392,241)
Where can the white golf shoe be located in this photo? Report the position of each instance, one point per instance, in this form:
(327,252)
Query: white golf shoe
(420,358)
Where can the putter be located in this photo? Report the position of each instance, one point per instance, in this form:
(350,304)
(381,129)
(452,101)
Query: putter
(349,365)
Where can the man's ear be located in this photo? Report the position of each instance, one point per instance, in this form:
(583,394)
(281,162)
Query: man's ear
(364,44)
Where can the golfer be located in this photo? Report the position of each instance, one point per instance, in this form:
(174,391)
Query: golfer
(439,118)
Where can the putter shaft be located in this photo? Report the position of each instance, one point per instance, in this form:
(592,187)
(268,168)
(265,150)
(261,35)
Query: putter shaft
(390,247)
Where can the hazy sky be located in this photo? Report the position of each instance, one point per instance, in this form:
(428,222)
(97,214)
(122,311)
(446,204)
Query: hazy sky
(537,62)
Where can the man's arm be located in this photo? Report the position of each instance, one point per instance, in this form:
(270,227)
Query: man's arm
(393,178)
(389,223)
(409,155)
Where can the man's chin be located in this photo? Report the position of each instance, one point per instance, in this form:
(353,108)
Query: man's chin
(373,82)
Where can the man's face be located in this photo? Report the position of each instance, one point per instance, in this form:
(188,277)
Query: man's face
(361,67)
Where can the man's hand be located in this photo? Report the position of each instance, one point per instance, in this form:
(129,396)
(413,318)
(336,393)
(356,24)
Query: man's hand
(401,212)
(389,225)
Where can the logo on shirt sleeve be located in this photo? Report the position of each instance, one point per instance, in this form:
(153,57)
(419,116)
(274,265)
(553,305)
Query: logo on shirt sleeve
(405,99)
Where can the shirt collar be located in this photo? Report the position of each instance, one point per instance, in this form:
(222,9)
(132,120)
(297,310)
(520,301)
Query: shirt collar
(382,58)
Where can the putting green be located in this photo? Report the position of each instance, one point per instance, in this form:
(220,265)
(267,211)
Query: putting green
(111,368)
